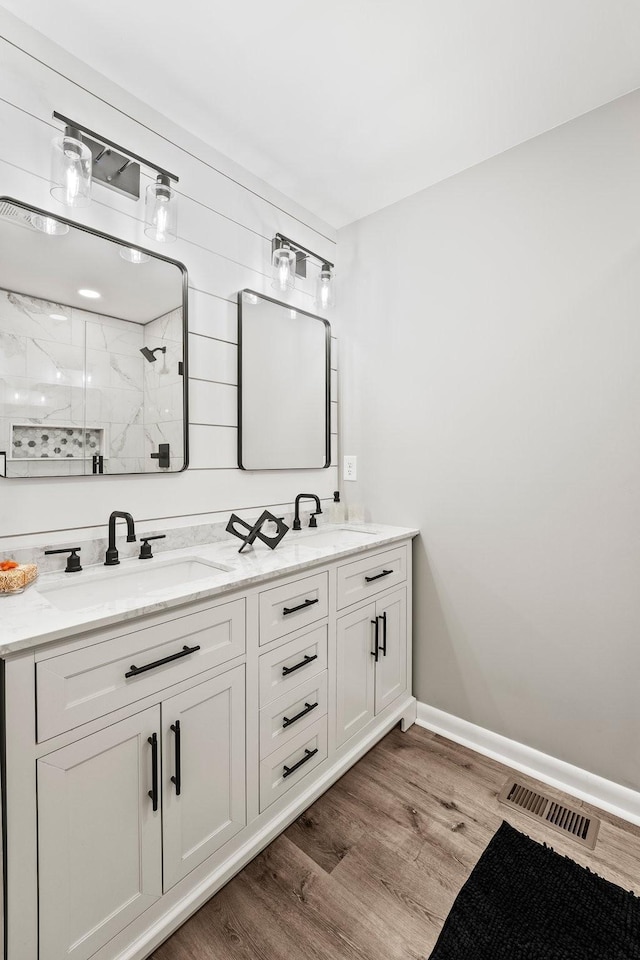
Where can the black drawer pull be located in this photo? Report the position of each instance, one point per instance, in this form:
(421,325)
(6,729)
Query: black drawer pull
(308,707)
(153,793)
(177,778)
(383,617)
(374,652)
(301,606)
(385,573)
(287,771)
(307,659)
(133,671)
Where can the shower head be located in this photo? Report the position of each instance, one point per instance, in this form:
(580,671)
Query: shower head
(150,355)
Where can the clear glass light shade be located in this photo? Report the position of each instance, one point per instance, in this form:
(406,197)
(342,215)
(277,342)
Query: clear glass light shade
(49,225)
(132,255)
(71,171)
(325,295)
(284,268)
(161,211)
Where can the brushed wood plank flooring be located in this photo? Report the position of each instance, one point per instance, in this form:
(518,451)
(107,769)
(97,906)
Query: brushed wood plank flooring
(370,871)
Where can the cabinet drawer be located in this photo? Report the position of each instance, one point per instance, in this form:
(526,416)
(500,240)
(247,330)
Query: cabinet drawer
(286,609)
(79,686)
(292,762)
(364,578)
(291,664)
(286,717)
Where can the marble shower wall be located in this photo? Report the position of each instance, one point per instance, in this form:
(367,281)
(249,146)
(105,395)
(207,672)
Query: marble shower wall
(49,354)
(163,391)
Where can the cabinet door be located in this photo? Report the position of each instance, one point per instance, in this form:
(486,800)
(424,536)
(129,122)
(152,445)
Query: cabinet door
(203,772)
(391,668)
(99,840)
(355,671)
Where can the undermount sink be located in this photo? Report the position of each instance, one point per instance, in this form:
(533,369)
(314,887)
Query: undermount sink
(130,582)
(335,537)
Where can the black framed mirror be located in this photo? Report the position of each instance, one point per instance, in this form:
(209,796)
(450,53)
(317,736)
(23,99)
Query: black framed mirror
(284,386)
(93,351)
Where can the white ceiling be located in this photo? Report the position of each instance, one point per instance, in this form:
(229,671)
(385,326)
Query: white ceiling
(349,105)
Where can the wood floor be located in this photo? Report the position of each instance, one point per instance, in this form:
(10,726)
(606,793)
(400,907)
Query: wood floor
(370,871)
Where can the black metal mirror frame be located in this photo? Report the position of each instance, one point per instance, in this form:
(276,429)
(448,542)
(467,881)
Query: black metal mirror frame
(313,316)
(185,335)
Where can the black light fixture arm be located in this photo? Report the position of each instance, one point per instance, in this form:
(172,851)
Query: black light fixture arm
(298,246)
(115,146)
(280,239)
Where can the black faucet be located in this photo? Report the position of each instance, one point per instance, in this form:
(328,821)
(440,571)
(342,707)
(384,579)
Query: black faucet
(111,557)
(312,521)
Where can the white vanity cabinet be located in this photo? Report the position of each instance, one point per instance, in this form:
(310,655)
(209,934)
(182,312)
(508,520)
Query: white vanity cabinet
(124,813)
(99,839)
(371,661)
(147,761)
(203,772)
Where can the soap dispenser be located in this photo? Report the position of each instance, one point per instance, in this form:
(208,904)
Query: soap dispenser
(336,510)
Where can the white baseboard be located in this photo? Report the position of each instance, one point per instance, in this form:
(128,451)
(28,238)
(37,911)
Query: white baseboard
(621,801)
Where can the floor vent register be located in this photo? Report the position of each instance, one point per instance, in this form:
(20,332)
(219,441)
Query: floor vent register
(558,816)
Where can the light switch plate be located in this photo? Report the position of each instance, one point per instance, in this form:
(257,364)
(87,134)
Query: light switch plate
(350,471)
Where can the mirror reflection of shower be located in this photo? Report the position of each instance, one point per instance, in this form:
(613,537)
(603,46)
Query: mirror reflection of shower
(150,355)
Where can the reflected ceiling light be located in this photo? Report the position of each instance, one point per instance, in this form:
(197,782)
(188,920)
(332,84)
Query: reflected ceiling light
(161,210)
(283,261)
(90,294)
(81,157)
(71,163)
(290,259)
(325,296)
(48,225)
(133,255)
(57,316)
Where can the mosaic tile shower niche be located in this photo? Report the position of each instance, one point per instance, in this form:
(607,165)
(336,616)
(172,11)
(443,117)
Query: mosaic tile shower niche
(47,442)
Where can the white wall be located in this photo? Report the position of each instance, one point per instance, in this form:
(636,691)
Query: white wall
(226,221)
(491,355)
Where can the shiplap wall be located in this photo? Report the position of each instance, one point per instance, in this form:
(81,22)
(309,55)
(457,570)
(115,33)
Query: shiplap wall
(227,218)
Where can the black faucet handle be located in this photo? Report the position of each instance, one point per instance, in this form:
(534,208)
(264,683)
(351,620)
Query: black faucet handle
(73,560)
(312,519)
(145,547)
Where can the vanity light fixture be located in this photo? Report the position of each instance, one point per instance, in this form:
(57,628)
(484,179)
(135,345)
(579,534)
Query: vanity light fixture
(161,211)
(325,296)
(133,255)
(71,163)
(48,225)
(81,157)
(297,258)
(283,261)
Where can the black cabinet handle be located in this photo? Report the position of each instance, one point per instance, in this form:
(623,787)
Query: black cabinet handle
(301,606)
(133,671)
(307,659)
(308,707)
(177,779)
(383,617)
(374,652)
(287,771)
(385,573)
(153,793)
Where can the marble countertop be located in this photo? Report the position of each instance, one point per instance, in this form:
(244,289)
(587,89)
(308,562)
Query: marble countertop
(31,619)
